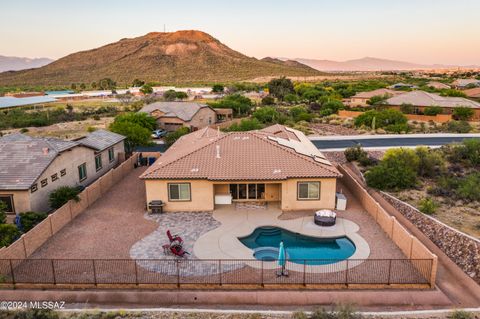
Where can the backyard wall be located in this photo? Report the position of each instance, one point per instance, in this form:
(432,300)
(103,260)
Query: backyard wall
(37,236)
(439,118)
(408,244)
(463,249)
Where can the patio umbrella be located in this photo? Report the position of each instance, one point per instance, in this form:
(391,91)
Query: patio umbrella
(282,258)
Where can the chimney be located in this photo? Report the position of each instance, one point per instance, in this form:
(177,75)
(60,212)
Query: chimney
(218,151)
(45,150)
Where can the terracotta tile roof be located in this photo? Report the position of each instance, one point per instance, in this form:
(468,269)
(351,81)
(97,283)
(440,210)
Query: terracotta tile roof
(254,155)
(378,92)
(475,92)
(421,98)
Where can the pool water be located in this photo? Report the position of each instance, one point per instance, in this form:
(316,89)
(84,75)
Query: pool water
(300,248)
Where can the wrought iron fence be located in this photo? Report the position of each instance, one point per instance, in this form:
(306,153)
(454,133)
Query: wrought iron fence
(215,272)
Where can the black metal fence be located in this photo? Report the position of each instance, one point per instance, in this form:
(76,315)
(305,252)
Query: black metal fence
(215,272)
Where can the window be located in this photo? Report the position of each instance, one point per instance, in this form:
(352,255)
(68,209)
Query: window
(54,177)
(82,172)
(34,188)
(63,172)
(247,191)
(308,190)
(111,154)
(44,182)
(179,192)
(8,200)
(98,162)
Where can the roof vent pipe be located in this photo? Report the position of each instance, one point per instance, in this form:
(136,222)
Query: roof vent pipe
(45,150)
(218,151)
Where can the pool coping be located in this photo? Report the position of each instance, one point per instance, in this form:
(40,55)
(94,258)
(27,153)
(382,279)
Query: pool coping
(223,242)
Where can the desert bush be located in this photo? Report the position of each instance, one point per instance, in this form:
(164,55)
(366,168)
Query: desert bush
(458,127)
(432,110)
(266,114)
(62,195)
(430,162)
(389,119)
(460,314)
(468,187)
(427,206)
(356,153)
(31,219)
(268,100)
(245,125)
(462,113)
(8,234)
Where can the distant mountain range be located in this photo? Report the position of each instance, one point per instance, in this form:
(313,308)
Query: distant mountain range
(371,64)
(167,57)
(12,63)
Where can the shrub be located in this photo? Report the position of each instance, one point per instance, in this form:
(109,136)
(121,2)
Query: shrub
(62,195)
(468,187)
(406,108)
(172,137)
(3,215)
(24,130)
(246,125)
(237,102)
(291,98)
(391,120)
(458,127)
(299,315)
(397,170)
(268,100)
(470,150)
(91,129)
(280,87)
(266,114)
(299,113)
(36,314)
(462,113)
(427,206)
(8,234)
(355,153)
(460,314)
(432,110)
(430,162)
(31,219)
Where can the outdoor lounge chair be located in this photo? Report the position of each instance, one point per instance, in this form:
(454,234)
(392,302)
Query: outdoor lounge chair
(173,238)
(178,250)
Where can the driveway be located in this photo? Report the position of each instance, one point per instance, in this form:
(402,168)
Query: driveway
(108,228)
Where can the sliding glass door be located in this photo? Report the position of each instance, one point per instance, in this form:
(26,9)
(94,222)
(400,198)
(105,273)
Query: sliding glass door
(247,191)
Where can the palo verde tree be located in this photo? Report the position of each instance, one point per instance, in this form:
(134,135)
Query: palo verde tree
(280,87)
(136,127)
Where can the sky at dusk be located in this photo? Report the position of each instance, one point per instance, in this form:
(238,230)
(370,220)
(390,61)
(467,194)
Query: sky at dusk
(422,31)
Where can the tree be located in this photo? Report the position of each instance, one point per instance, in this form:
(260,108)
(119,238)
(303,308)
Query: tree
(378,100)
(280,87)
(218,88)
(73,86)
(83,86)
(172,137)
(266,114)
(181,95)
(397,170)
(136,127)
(170,95)
(462,113)
(125,98)
(268,100)
(146,89)
(62,195)
(240,104)
(93,85)
(138,83)
(107,84)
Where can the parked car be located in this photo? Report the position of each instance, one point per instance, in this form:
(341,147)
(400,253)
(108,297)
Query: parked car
(159,133)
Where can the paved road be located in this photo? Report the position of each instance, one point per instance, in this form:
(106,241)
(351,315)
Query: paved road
(334,142)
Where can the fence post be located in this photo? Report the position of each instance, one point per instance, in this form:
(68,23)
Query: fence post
(53,271)
(304,272)
(136,272)
(346,275)
(94,272)
(220,271)
(263,285)
(178,274)
(389,271)
(12,271)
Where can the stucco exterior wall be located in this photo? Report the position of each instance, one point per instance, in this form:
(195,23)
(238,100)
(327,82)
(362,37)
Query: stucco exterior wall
(203,192)
(21,199)
(327,195)
(204,117)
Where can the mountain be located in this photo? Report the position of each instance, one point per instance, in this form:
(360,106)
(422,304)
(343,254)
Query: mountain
(12,63)
(370,64)
(167,57)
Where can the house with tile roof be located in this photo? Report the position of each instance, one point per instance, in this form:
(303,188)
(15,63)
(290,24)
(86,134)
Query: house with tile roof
(465,83)
(173,115)
(422,99)
(473,93)
(361,98)
(208,168)
(438,85)
(32,167)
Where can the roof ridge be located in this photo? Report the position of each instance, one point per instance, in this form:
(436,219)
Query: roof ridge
(148,172)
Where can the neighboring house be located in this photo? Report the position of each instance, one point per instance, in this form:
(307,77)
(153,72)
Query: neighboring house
(473,93)
(421,99)
(8,102)
(438,85)
(32,167)
(361,98)
(464,83)
(209,167)
(173,115)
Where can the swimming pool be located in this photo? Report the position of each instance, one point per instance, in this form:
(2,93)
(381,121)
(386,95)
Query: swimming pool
(299,248)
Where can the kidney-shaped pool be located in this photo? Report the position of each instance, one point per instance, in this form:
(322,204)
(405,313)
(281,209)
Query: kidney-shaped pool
(264,241)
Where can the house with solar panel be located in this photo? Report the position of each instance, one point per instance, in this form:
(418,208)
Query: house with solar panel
(273,166)
(32,167)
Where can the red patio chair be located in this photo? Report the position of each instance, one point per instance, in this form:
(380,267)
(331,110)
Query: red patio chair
(178,250)
(173,238)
